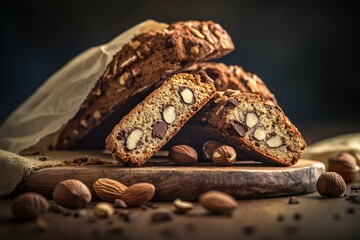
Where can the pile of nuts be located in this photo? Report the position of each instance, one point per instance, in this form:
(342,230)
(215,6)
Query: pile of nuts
(219,153)
(74,194)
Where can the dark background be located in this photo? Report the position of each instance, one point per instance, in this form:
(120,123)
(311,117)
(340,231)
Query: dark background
(306,52)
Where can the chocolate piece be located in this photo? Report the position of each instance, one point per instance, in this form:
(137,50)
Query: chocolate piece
(238,128)
(161,217)
(159,129)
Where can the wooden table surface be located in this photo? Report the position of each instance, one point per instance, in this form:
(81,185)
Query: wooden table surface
(271,218)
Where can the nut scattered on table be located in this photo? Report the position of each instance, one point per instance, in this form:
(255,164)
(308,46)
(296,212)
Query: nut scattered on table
(72,193)
(183,206)
(109,189)
(344,163)
(138,194)
(183,155)
(217,202)
(209,147)
(330,184)
(104,210)
(224,155)
(29,206)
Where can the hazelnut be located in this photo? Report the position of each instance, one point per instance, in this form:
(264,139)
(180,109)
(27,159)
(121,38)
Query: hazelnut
(209,147)
(29,206)
(344,163)
(183,155)
(72,193)
(330,184)
(224,156)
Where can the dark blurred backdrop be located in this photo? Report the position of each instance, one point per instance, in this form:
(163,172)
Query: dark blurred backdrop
(307,52)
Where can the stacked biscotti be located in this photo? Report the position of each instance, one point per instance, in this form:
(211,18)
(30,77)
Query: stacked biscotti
(179,91)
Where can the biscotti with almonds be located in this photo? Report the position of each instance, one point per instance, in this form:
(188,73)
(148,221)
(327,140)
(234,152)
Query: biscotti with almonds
(158,118)
(233,77)
(142,63)
(256,128)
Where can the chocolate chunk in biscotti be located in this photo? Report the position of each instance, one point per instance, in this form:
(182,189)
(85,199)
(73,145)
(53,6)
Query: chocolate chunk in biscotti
(256,128)
(158,118)
(233,77)
(144,62)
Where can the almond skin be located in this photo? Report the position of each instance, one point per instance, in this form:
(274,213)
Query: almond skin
(138,194)
(109,189)
(217,202)
(183,155)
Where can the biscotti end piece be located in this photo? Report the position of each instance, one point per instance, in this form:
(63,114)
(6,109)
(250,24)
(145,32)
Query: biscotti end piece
(233,77)
(255,127)
(158,118)
(141,64)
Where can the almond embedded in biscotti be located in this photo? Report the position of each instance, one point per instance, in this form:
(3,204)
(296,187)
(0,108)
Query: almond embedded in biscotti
(274,141)
(251,119)
(187,95)
(109,189)
(133,139)
(169,114)
(260,133)
(138,194)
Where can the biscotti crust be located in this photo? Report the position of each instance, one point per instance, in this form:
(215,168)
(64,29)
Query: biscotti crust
(158,118)
(255,127)
(144,62)
(233,77)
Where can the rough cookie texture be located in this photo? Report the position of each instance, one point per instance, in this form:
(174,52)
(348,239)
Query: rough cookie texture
(233,77)
(158,118)
(257,128)
(142,63)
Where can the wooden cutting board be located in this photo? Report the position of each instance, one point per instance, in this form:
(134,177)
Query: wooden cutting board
(245,179)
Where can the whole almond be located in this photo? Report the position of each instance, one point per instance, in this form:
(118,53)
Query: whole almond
(138,194)
(217,202)
(109,189)
(183,155)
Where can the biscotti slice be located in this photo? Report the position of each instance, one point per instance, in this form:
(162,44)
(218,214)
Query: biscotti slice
(143,63)
(256,128)
(158,118)
(233,77)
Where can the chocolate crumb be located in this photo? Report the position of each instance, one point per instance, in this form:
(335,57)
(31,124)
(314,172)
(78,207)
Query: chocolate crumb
(291,230)
(280,218)
(190,227)
(350,210)
(115,231)
(86,161)
(95,232)
(43,158)
(143,207)
(293,200)
(337,217)
(158,217)
(297,216)
(249,230)
(355,187)
(152,205)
